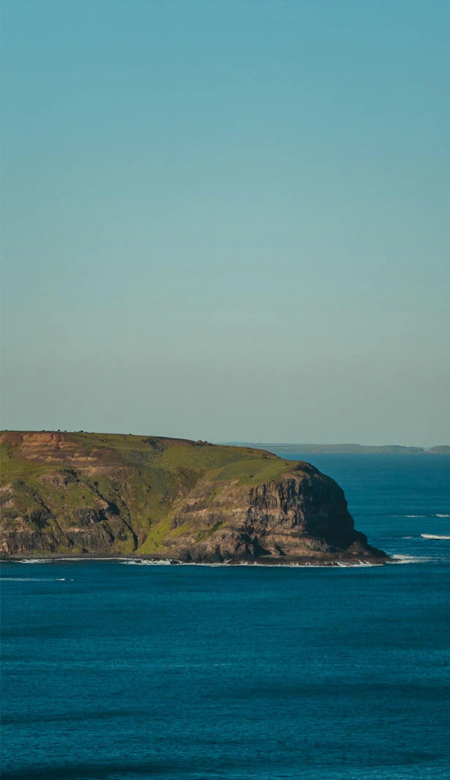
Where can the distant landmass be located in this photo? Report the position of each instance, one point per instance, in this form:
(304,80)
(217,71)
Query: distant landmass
(169,499)
(348,449)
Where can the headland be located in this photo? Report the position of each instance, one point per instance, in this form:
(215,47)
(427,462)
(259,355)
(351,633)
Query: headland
(163,499)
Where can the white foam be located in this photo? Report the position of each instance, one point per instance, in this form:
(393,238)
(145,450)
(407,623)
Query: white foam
(365,564)
(141,562)
(34,579)
(431,515)
(409,559)
(434,536)
(165,562)
(35,560)
(227,564)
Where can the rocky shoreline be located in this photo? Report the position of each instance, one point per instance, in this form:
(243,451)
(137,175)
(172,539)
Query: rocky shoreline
(341,561)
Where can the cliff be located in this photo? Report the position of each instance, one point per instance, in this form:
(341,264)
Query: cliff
(80,493)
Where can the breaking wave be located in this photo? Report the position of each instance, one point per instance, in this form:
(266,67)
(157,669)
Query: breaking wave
(141,562)
(35,560)
(432,514)
(434,536)
(399,558)
(35,579)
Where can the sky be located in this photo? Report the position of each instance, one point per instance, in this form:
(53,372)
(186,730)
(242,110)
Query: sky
(227,220)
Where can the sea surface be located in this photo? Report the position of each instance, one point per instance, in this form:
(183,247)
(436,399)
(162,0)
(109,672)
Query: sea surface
(122,671)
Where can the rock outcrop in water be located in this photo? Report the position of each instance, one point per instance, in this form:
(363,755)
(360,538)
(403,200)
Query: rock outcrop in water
(171,499)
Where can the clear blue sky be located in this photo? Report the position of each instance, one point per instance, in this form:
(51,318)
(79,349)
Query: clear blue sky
(227,220)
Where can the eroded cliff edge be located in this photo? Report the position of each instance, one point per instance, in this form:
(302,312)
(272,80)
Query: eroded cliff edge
(65,493)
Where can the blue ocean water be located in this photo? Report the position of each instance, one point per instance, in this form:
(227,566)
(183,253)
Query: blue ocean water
(115,671)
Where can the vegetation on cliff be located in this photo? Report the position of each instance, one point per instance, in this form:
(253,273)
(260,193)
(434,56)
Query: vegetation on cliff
(79,493)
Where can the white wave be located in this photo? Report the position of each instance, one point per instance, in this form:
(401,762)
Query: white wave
(365,564)
(409,559)
(434,536)
(34,579)
(430,515)
(140,562)
(164,562)
(70,558)
(35,560)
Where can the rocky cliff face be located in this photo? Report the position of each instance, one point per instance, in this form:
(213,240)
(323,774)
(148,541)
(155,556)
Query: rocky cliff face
(92,494)
(302,517)
(96,528)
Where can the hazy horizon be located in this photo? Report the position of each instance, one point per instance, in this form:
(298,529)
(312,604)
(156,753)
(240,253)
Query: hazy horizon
(232,442)
(227,221)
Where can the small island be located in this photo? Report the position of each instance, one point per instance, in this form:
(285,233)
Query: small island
(113,495)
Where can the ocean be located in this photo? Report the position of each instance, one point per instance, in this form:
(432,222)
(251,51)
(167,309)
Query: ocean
(122,671)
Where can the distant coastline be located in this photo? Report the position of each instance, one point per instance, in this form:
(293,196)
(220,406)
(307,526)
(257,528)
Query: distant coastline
(347,449)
